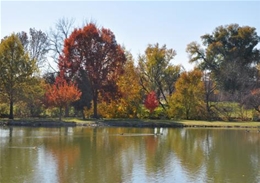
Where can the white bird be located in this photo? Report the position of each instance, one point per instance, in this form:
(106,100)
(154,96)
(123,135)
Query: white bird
(155,131)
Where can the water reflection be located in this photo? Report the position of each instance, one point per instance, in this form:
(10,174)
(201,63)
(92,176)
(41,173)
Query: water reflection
(128,155)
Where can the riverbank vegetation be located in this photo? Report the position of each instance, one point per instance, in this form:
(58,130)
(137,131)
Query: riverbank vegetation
(101,79)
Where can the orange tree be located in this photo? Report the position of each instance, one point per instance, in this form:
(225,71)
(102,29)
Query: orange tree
(95,52)
(61,93)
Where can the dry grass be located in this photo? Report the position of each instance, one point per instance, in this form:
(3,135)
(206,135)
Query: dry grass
(220,123)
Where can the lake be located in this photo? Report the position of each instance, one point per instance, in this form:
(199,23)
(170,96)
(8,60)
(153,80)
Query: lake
(126,155)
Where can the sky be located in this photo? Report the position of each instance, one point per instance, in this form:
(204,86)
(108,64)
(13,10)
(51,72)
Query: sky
(135,23)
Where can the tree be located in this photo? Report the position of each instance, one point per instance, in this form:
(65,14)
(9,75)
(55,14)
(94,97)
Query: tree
(57,36)
(130,89)
(156,72)
(210,89)
(96,52)
(151,102)
(230,54)
(16,69)
(188,99)
(61,93)
(32,96)
(36,44)
(171,74)
(252,100)
(49,77)
(127,105)
(86,95)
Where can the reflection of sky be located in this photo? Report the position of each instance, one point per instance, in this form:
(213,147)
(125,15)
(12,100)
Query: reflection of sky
(4,132)
(139,174)
(4,136)
(45,167)
(172,172)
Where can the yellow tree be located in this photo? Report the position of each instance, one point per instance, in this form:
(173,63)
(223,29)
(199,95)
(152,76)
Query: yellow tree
(128,104)
(130,89)
(188,99)
(16,69)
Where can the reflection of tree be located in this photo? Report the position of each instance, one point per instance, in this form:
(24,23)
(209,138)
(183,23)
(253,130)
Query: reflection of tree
(110,155)
(232,152)
(66,156)
(226,155)
(16,157)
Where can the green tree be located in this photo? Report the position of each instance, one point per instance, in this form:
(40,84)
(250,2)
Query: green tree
(156,72)
(230,54)
(32,96)
(16,69)
(188,99)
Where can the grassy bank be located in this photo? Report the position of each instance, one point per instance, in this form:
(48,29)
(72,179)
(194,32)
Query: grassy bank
(127,123)
(165,123)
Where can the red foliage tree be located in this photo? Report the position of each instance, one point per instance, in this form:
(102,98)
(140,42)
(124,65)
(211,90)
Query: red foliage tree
(96,52)
(61,93)
(151,101)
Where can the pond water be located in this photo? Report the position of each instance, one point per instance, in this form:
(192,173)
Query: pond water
(123,155)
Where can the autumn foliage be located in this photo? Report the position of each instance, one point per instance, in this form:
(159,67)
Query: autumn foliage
(127,105)
(151,101)
(61,93)
(95,52)
(187,102)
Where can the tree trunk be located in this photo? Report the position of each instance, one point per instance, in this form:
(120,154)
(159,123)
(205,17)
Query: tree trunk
(11,113)
(60,113)
(83,115)
(209,116)
(95,107)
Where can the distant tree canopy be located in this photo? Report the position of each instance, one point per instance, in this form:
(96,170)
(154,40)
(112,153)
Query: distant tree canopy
(95,52)
(230,54)
(94,72)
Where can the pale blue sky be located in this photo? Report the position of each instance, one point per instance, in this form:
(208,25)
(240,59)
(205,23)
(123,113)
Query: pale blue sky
(136,23)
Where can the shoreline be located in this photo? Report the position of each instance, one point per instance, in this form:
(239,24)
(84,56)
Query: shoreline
(129,123)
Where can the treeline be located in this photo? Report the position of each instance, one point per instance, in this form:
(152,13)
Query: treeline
(97,77)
